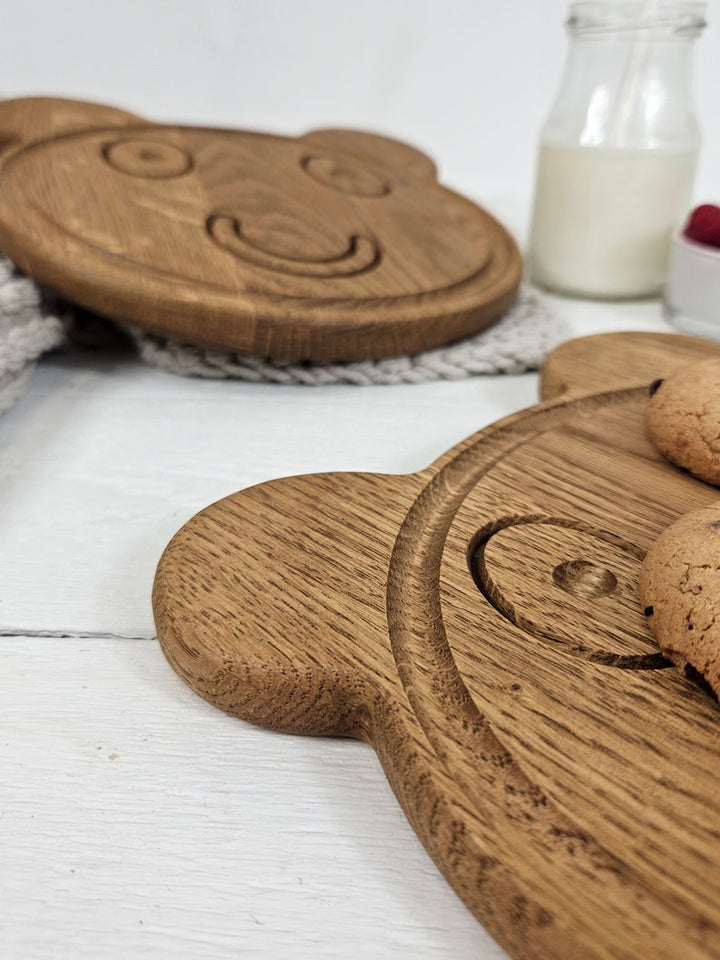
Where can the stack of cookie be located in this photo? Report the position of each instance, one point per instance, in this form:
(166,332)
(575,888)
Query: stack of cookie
(680,576)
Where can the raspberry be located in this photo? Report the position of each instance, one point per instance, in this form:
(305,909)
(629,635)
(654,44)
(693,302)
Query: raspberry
(703,225)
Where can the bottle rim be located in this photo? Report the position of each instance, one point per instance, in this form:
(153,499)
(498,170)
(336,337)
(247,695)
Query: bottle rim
(676,19)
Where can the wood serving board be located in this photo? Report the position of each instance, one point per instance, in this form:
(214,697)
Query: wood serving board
(337,245)
(478,623)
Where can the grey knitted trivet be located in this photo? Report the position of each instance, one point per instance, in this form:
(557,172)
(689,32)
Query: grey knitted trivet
(30,324)
(519,342)
(33,321)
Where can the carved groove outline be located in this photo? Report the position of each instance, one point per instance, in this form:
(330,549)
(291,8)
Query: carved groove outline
(460,735)
(493,594)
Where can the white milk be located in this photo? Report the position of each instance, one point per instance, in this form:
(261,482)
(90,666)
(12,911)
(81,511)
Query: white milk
(603,218)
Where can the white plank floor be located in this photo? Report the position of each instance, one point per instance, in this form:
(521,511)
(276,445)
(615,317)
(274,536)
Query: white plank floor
(135,820)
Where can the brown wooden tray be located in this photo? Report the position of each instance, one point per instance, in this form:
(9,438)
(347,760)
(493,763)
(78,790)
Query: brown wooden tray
(479,624)
(338,245)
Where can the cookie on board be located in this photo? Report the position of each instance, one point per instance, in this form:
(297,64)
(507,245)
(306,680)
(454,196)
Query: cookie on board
(683,418)
(680,594)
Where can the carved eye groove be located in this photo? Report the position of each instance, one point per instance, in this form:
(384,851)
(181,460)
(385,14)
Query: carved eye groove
(147,159)
(346,176)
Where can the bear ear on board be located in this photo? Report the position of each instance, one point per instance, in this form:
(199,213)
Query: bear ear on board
(393,155)
(32,119)
(613,361)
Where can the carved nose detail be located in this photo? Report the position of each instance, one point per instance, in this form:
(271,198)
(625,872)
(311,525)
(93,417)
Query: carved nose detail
(581,578)
(361,253)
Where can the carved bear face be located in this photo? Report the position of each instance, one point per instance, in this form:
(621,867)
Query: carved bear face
(320,244)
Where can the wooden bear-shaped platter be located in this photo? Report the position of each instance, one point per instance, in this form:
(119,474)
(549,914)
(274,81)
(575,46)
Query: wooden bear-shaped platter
(479,624)
(337,245)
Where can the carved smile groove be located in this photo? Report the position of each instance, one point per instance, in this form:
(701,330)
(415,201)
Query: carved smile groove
(361,254)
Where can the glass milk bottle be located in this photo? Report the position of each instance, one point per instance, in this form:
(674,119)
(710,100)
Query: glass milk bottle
(618,152)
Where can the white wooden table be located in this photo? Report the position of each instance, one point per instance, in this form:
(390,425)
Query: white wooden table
(135,819)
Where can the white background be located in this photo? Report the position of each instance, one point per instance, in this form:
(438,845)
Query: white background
(468,81)
(136,820)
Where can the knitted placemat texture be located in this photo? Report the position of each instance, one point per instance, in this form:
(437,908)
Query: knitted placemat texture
(33,321)
(518,343)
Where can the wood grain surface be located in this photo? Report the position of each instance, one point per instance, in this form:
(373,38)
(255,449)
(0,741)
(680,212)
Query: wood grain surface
(338,245)
(478,624)
(224,839)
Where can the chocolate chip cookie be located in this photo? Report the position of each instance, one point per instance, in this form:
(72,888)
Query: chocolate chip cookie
(683,418)
(680,594)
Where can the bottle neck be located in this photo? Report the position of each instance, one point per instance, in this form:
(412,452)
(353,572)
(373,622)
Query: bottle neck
(621,90)
(637,20)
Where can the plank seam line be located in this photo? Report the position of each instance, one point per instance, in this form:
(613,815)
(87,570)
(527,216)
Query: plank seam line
(19,632)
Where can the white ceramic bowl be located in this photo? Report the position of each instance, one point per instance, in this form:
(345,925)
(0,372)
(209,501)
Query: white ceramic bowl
(692,290)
